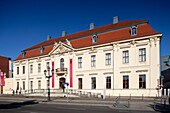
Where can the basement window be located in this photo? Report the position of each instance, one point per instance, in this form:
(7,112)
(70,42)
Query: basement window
(94,38)
(133,30)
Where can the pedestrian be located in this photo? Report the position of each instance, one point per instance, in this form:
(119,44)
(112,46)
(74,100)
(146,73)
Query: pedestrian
(13,92)
(16,91)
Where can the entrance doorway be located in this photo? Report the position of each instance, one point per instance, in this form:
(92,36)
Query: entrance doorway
(61,81)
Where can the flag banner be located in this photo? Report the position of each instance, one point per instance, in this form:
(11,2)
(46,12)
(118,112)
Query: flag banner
(53,74)
(2,79)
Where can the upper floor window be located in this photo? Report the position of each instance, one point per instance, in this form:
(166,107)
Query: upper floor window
(17,70)
(23,69)
(126,56)
(108,58)
(93,61)
(39,68)
(142,55)
(133,30)
(142,81)
(62,63)
(126,82)
(94,38)
(31,68)
(79,62)
(93,82)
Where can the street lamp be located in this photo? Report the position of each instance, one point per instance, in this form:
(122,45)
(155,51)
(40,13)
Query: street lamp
(48,76)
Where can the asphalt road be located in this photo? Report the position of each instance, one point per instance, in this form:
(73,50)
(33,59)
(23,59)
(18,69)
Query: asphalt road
(31,106)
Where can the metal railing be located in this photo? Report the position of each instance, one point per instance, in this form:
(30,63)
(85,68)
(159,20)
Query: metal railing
(61,70)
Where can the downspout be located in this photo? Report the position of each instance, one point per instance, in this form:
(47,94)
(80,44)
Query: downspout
(28,76)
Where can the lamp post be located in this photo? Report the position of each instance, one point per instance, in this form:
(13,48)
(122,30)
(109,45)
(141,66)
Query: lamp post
(47,75)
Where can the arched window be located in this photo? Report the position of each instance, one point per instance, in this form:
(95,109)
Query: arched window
(61,63)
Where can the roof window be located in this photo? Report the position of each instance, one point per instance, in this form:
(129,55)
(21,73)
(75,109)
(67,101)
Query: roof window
(23,54)
(41,50)
(94,38)
(133,30)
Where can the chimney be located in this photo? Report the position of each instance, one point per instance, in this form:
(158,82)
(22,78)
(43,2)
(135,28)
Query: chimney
(64,33)
(48,37)
(91,26)
(115,20)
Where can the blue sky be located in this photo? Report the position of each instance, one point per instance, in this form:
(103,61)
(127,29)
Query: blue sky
(24,23)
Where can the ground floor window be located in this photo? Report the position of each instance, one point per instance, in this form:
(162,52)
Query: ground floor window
(126,82)
(93,82)
(80,83)
(31,83)
(17,85)
(142,81)
(108,82)
(39,84)
(23,85)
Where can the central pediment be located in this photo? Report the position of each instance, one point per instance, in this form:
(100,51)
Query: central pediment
(61,47)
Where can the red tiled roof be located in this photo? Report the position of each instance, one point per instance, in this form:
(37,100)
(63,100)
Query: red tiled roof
(88,32)
(112,36)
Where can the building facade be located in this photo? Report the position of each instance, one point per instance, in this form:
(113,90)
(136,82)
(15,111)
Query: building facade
(116,59)
(6,68)
(165,74)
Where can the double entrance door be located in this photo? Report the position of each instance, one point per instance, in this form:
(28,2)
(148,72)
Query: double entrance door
(62,80)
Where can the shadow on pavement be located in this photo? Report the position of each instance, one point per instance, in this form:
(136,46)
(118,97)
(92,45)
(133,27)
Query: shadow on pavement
(17,104)
(160,107)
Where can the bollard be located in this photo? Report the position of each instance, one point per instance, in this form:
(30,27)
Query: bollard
(142,96)
(130,96)
(154,104)
(128,103)
(161,99)
(164,102)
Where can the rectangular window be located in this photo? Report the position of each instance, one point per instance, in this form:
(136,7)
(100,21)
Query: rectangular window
(126,82)
(79,62)
(142,55)
(39,68)
(142,81)
(23,69)
(80,83)
(108,58)
(93,61)
(125,56)
(39,84)
(23,85)
(17,85)
(31,84)
(93,82)
(17,70)
(108,82)
(31,68)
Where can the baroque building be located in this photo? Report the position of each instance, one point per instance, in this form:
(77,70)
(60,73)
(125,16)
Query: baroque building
(116,59)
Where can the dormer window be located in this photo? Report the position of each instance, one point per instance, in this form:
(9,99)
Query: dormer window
(94,38)
(133,30)
(23,54)
(41,50)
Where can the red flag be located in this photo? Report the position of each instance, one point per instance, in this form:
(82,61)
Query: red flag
(2,79)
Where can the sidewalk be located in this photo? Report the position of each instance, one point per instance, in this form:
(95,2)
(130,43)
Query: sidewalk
(147,104)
